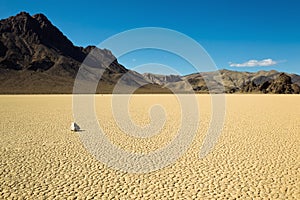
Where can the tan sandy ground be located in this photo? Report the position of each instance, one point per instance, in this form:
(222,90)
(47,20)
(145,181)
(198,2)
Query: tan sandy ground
(257,155)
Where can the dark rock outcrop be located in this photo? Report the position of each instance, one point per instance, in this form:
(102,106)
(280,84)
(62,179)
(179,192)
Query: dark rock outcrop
(283,85)
(280,85)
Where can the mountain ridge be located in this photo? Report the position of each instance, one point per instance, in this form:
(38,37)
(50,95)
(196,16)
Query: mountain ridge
(36,57)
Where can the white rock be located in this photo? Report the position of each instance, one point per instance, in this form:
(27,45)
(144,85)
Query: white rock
(74,127)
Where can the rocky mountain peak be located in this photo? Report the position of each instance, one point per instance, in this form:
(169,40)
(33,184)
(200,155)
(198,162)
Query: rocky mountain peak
(21,15)
(20,24)
(41,18)
(28,41)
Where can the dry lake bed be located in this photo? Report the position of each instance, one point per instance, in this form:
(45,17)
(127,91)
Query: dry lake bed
(256,156)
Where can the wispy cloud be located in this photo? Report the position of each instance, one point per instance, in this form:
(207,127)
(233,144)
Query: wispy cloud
(255,63)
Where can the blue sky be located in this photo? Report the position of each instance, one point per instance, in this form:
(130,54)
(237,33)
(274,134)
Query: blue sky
(263,33)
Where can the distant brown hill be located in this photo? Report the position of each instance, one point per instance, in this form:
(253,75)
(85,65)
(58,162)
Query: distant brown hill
(35,57)
(248,82)
(233,81)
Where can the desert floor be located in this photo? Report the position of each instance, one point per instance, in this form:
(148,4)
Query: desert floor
(257,154)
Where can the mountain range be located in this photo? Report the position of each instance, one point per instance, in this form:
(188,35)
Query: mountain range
(36,57)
